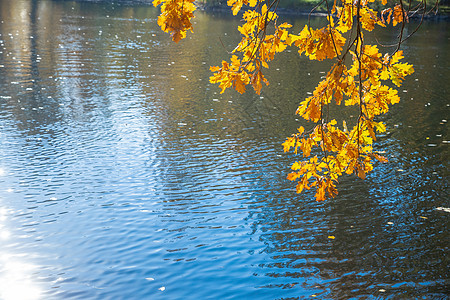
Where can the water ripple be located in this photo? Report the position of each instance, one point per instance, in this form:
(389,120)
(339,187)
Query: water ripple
(125,174)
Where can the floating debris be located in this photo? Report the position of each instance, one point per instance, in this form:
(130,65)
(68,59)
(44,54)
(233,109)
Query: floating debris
(446,209)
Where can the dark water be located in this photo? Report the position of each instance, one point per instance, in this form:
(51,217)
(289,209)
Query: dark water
(125,175)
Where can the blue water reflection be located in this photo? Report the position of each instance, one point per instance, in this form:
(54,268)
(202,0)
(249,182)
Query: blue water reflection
(125,175)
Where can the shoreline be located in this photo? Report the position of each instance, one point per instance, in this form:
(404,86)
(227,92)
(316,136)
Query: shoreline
(305,11)
(300,10)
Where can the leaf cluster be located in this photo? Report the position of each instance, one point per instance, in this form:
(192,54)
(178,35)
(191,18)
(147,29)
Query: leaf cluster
(361,76)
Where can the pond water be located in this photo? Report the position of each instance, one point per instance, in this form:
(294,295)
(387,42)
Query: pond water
(124,174)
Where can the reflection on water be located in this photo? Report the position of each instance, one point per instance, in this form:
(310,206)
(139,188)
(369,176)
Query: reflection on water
(16,279)
(125,174)
(16,274)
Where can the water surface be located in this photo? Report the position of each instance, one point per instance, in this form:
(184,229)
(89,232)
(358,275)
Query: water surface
(125,175)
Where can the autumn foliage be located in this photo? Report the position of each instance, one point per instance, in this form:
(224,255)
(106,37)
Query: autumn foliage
(176,17)
(361,76)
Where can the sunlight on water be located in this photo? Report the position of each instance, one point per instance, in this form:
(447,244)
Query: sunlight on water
(16,281)
(16,274)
